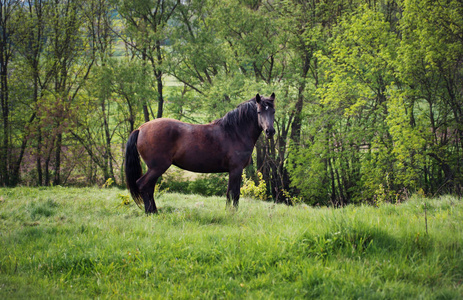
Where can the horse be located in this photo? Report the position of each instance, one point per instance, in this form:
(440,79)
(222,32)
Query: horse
(224,145)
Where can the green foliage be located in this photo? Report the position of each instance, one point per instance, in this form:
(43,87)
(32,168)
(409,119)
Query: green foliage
(209,185)
(108,183)
(375,128)
(204,184)
(158,192)
(358,70)
(293,199)
(125,199)
(250,189)
(195,248)
(308,173)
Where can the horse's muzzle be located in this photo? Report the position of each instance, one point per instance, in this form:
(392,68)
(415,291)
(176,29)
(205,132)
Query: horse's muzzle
(270,132)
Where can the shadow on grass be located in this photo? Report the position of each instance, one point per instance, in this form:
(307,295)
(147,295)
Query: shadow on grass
(200,216)
(42,209)
(168,210)
(361,240)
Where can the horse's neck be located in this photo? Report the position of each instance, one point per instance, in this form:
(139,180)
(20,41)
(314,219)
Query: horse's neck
(251,130)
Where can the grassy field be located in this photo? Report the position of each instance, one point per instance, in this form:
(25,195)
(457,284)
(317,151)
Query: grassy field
(85,243)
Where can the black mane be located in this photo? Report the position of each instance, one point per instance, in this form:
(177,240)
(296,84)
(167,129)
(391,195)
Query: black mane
(246,112)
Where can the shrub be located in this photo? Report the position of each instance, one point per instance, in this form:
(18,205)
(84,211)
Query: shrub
(250,189)
(205,185)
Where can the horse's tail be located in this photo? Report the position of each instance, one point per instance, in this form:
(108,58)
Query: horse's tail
(133,169)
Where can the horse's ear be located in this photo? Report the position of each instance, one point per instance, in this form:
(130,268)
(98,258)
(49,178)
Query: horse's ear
(272,97)
(258,98)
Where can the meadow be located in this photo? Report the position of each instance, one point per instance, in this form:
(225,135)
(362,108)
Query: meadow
(91,243)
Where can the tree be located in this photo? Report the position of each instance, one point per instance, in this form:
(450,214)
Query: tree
(70,63)
(30,41)
(93,129)
(430,67)
(8,23)
(350,128)
(146,23)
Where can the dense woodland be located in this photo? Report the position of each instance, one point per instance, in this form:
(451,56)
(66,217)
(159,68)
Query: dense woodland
(369,94)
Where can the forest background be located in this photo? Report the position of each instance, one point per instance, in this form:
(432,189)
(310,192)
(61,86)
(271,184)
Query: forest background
(369,94)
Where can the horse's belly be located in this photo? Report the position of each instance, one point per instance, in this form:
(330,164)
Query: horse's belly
(209,160)
(201,165)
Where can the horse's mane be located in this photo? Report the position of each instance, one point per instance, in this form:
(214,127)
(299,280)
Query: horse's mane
(244,113)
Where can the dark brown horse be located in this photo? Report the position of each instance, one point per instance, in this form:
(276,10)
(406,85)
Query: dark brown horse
(225,145)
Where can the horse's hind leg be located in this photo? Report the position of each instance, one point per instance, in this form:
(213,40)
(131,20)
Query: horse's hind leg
(146,184)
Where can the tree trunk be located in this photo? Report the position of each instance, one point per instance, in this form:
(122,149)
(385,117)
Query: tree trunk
(158,73)
(39,131)
(109,173)
(4,177)
(297,122)
(47,170)
(15,169)
(5,146)
(146,113)
(57,179)
(39,157)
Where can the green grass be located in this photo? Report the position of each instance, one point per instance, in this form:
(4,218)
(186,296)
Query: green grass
(84,243)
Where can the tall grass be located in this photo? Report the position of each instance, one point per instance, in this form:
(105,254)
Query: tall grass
(86,243)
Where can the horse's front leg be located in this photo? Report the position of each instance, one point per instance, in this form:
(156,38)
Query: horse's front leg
(233,190)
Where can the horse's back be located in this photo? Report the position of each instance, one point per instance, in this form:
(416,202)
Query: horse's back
(160,129)
(158,138)
(198,148)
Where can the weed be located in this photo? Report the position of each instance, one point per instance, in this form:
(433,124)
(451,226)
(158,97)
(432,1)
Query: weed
(124,198)
(108,183)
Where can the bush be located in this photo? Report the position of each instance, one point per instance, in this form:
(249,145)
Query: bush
(205,185)
(250,189)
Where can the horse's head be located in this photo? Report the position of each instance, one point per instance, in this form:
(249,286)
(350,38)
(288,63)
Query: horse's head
(266,114)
